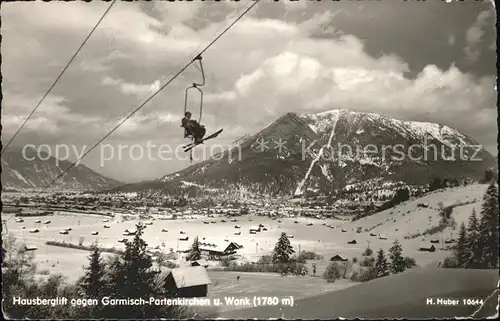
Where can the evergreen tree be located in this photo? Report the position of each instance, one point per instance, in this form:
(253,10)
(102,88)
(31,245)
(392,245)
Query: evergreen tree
(381,266)
(488,176)
(195,251)
(398,263)
(445,213)
(473,242)
(410,262)
(402,195)
(368,271)
(132,277)
(488,228)
(93,283)
(282,250)
(367,252)
(435,184)
(461,252)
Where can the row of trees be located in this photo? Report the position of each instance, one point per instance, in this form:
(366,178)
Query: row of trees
(477,244)
(438,183)
(401,195)
(128,275)
(282,253)
(280,261)
(488,176)
(371,267)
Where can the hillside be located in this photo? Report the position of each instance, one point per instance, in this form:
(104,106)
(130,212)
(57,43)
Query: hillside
(395,296)
(323,153)
(462,198)
(37,172)
(407,222)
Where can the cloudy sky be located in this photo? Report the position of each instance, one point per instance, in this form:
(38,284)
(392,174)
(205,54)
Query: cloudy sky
(432,61)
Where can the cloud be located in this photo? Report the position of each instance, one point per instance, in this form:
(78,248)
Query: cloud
(102,64)
(290,82)
(301,70)
(261,68)
(295,5)
(322,23)
(132,88)
(221,96)
(474,35)
(52,117)
(451,40)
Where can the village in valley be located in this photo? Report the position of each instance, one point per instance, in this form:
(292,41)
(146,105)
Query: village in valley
(230,248)
(249,160)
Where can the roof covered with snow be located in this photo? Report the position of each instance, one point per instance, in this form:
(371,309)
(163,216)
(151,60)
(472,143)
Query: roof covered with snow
(189,276)
(216,245)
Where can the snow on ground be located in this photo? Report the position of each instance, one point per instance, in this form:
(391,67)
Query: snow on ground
(408,218)
(368,161)
(407,128)
(20,177)
(399,296)
(298,190)
(323,236)
(324,170)
(250,284)
(192,184)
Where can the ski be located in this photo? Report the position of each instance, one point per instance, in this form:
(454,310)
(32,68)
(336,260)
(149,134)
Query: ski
(193,145)
(187,145)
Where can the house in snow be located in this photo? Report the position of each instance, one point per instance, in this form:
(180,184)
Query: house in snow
(427,249)
(200,262)
(338,258)
(30,248)
(188,282)
(11,209)
(218,249)
(255,229)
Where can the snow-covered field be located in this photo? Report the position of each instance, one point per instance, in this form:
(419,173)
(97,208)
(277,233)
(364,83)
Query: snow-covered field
(396,223)
(408,218)
(224,284)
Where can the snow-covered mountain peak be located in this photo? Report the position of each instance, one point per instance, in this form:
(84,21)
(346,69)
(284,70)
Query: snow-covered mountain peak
(313,161)
(19,172)
(323,122)
(358,122)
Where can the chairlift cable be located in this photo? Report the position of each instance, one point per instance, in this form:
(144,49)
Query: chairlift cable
(58,77)
(197,87)
(154,94)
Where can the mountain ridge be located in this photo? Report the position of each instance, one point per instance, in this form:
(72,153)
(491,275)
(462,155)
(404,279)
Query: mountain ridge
(37,170)
(312,158)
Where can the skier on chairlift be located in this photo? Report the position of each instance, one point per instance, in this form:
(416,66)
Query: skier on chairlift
(192,128)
